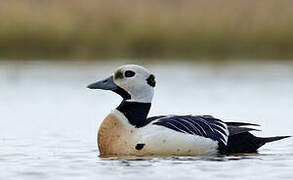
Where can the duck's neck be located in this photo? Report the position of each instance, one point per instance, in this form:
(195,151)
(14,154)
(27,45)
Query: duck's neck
(135,112)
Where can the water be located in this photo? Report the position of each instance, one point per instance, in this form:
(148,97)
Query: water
(49,120)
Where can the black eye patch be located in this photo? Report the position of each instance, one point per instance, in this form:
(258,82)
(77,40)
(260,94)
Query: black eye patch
(151,80)
(129,73)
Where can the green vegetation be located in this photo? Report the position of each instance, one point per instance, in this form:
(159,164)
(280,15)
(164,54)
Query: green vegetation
(146,29)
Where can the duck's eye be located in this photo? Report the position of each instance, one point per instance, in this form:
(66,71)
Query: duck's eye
(129,73)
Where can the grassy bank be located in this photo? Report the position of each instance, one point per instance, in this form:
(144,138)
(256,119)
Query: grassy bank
(152,28)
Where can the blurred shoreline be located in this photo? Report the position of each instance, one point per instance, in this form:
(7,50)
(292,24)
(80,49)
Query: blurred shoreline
(154,29)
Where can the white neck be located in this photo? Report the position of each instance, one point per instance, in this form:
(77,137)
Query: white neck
(142,99)
(143,96)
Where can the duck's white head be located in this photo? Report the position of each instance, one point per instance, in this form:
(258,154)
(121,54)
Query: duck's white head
(134,83)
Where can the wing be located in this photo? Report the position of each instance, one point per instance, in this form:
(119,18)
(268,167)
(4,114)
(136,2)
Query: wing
(205,126)
(153,118)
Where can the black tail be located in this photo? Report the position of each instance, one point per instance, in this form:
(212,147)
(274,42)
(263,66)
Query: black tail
(241,124)
(272,139)
(240,140)
(247,143)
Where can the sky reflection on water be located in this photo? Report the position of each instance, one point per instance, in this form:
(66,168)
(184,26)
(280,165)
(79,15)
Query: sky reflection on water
(49,120)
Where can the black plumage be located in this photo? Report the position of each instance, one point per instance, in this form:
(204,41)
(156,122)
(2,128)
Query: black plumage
(240,140)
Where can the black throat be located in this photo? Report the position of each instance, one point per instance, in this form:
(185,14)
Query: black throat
(135,112)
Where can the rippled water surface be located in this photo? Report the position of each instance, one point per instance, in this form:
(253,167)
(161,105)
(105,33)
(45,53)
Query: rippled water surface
(49,120)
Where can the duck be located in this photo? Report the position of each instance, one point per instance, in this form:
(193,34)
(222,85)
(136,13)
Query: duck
(128,131)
